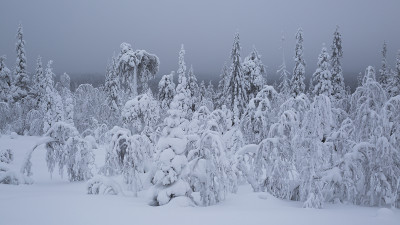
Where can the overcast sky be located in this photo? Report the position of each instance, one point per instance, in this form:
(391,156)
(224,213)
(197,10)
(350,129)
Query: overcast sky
(80,36)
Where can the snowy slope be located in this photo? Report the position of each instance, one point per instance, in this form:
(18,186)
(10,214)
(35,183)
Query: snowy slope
(57,201)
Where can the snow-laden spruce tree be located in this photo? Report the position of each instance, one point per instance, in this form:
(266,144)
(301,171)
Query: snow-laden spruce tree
(193,87)
(136,68)
(170,179)
(5,81)
(384,72)
(210,168)
(141,112)
(112,87)
(284,85)
(299,70)
(274,166)
(254,71)
(21,79)
(182,88)
(38,89)
(222,87)
(69,151)
(236,87)
(51,105)
(339,90)
(166,90)
(321,81)
(394,85)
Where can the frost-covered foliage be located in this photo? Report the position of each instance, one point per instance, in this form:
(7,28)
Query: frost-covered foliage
(69,151)
(299,70)
(199,143)
(254,71)
(136,68)
(166,90)
(5,81)
(321,81)
(140,112)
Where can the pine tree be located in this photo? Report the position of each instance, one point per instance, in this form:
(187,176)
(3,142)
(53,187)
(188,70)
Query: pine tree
(298,77)
(5,80)
(38,78)
(253,70)
(21,79)
(321,82)
(236,90)
(339,90)
(284,86)
(384,72)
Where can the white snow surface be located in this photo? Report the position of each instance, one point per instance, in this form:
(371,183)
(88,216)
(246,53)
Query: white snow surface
(57,201)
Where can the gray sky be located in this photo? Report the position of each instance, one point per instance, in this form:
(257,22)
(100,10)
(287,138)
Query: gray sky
(80,36)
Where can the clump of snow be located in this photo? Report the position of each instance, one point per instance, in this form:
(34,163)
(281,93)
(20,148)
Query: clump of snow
(13,135)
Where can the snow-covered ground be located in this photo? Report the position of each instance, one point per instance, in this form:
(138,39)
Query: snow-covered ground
(57,201)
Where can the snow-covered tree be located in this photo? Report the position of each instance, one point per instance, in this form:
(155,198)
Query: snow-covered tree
(222,86)
(284,85)
(336,67)
(51,105)
(384,72)
(313,154)
(136,68)
(166,90)
(298,77)
(254,71)
(394,85)
(5,81)
(140,112)
(112,87)
(182,88)
(170,178)
(209,166)
(321,81)
(21,79)
(259,115)
(193,87)
(129,155)
(236,89)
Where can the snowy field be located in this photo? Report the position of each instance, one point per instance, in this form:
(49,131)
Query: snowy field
(58,201)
